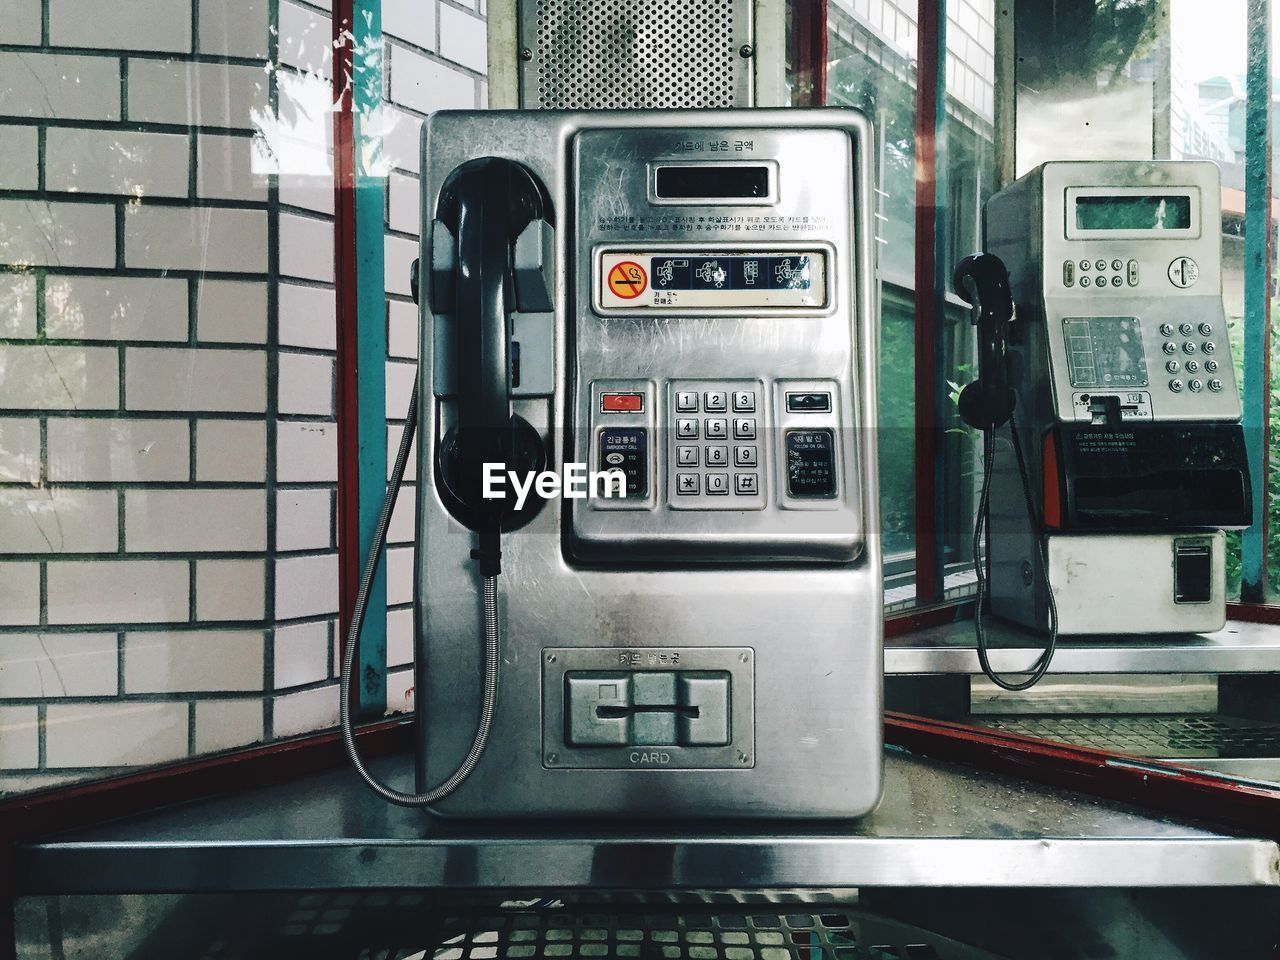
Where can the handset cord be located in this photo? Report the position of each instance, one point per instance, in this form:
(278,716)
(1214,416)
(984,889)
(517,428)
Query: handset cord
(489,702)
(982,526)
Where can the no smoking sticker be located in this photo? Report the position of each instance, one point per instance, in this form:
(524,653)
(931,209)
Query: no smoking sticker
(627,280)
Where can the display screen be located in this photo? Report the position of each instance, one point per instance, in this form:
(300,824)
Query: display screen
(1130,212)
(1105,352)
(793,272)
(711,182)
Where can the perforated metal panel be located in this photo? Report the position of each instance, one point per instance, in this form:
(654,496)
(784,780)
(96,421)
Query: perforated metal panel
(1170,737)
(650,54)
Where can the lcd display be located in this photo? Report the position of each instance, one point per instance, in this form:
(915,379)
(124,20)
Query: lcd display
(1168,211)
(712,182)
(1105,352)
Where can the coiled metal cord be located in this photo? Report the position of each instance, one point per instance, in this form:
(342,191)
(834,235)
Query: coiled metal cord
(981,526)
(489,702)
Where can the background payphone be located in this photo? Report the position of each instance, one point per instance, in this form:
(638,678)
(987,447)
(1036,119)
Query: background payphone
(1125,401)
(687,298)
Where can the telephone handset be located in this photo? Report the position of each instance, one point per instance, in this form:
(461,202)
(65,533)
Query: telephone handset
(983,282)
(986,404)
(486,204)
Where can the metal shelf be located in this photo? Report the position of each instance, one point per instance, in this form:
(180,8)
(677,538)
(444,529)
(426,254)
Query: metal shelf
(939,825)
(1238,648)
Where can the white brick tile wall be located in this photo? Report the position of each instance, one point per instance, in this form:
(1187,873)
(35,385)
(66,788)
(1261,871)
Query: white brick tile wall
(58,234)
(425,85)
(306,452)
(237,28)
(400,377)
(306,247)
(402,329)
(305,38)
(230,589)
(196,94)
(399,637)
(305,711)
(223,724)
(118,451)
(51,665)
(394,433)
(307,317)
(400,529)
(400,691)
(45,520)
(19,156)
(195,521)
(114,734)
(303,519)
(301,654)
(21,19)
(305,384)
(134,25)
(185,661)
(115,308)
(306,586)
(59,378)
(402,139)
(60,86)
(231,450)
(404,199)
(17,305)
(231,311)
(19,450)
(411,20)
(160,378)
(119,591)
(463,38)
(225,168)
(117,161)
(400,254)
(200,238)
(19,596)
(399,575)
(19,738)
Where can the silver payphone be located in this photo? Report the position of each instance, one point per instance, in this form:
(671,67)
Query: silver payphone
(1126,460)
(675,308)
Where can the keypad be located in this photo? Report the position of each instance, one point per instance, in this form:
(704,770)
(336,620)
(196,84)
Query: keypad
(717,458)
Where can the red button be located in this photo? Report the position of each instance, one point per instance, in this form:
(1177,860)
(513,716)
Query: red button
(622,402)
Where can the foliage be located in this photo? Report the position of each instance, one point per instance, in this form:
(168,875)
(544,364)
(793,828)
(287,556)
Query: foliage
(1074,42)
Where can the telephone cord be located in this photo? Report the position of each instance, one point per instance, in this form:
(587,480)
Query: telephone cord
(981,527)
(489,701)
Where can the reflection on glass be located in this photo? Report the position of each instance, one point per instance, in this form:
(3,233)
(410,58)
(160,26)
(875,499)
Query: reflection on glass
(1133,213)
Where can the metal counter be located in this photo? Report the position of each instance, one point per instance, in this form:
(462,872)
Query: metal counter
(1237,648)
(938,825)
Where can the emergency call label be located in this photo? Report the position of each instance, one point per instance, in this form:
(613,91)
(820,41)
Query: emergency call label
(712,279)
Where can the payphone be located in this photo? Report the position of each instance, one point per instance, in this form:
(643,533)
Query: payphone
(1108,498)
(646,466)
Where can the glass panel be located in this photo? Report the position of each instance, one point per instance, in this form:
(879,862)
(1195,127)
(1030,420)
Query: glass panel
(168,574)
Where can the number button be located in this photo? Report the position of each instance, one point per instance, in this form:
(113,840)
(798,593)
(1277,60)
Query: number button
(1211,366)
(1166,329)
(1169,347)
(1190,347)
(717,456)
(1196,386)
(744,428)
(686,484)
(1186,329)
(745,483)
(714,401)
(744,401)
(744,456)
(687,456)
(718,484)
(1209,346)
(1206,329)
(717,428)
(687,401)
(687,428)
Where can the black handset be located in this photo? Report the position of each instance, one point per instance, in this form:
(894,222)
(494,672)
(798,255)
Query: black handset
(982,281)
(486,204)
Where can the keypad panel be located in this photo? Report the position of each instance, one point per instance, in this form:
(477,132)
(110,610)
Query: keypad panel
(715,458)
